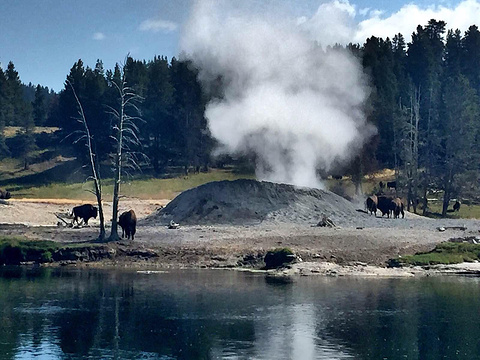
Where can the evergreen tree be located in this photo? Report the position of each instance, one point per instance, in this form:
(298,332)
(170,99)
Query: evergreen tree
(459,154)
(425,65)
(26,134)
(159,129)
(470,61)
(4,152)
(94,99)
(14,97)
(458,157)
(195,141)
(136,74)
(379,63)
(39,107)
(67,103)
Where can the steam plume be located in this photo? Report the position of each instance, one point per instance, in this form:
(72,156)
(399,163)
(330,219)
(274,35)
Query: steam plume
(294,105)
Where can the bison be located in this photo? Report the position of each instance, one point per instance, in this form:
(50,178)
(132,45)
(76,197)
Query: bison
(456,206)
(5,194)
(396,206)
(128,223)
(84,212)
(384,204)
(392,184)
(371,203)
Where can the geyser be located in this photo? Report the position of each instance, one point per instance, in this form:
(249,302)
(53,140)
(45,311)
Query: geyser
(295,105)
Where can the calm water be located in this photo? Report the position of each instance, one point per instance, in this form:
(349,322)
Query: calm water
(68,314)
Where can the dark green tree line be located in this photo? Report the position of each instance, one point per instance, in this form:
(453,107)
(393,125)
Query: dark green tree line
(424,103)
(425,106)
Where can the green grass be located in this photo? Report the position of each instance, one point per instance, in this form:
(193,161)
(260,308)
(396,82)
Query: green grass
(466,211)
(14,250)
(137,188)
(444,253)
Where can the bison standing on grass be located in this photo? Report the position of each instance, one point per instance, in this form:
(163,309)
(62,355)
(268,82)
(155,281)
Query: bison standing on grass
(84,212)
(128,223)
(371,203)
(456,206)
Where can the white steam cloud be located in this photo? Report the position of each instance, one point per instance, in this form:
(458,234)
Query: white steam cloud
(297,107)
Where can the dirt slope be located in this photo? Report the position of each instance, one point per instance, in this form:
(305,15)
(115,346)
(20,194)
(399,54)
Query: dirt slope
(250,201)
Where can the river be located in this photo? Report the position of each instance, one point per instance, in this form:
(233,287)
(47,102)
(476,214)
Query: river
(62,313)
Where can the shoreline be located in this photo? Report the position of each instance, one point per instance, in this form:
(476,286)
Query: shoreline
(362,247)
(291,271)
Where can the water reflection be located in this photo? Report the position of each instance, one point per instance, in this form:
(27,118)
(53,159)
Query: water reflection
(73,314)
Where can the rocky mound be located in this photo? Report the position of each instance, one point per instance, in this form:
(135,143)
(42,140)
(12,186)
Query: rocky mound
(250,201)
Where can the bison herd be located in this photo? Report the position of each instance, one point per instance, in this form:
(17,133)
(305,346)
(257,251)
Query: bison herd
(127,220)
(387,205)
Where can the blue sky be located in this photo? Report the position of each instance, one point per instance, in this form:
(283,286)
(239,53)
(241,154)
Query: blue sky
(45,37)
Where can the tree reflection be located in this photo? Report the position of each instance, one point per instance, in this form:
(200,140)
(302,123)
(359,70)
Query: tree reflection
(205,315)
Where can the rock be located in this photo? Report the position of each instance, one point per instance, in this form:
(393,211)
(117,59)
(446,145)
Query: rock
(278,258)
(173,225)
(326,222)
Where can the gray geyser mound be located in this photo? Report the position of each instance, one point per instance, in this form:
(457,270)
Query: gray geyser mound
(250,201)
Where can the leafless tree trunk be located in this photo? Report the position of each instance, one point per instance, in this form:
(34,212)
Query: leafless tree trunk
(410,148)
(125,132)
(95,176)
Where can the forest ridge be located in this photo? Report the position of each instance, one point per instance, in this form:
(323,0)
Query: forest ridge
(424,103)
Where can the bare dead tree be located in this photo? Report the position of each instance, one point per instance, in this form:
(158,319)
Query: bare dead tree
(411,149)
(85,135)
(125,135)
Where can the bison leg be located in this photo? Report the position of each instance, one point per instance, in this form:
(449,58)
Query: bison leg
(77,220)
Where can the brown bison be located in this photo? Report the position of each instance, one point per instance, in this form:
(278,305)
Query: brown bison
(5,194)
(371,204)
(396,206)
(84,212)
(128,223)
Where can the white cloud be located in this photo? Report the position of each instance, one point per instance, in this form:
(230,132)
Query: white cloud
(407,19)
(99,36)
(156,25)
(339,21)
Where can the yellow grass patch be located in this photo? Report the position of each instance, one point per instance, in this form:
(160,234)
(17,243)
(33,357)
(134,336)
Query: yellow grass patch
(11,131)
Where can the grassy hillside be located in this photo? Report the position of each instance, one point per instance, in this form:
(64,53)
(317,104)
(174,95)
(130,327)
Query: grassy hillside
(147,188)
